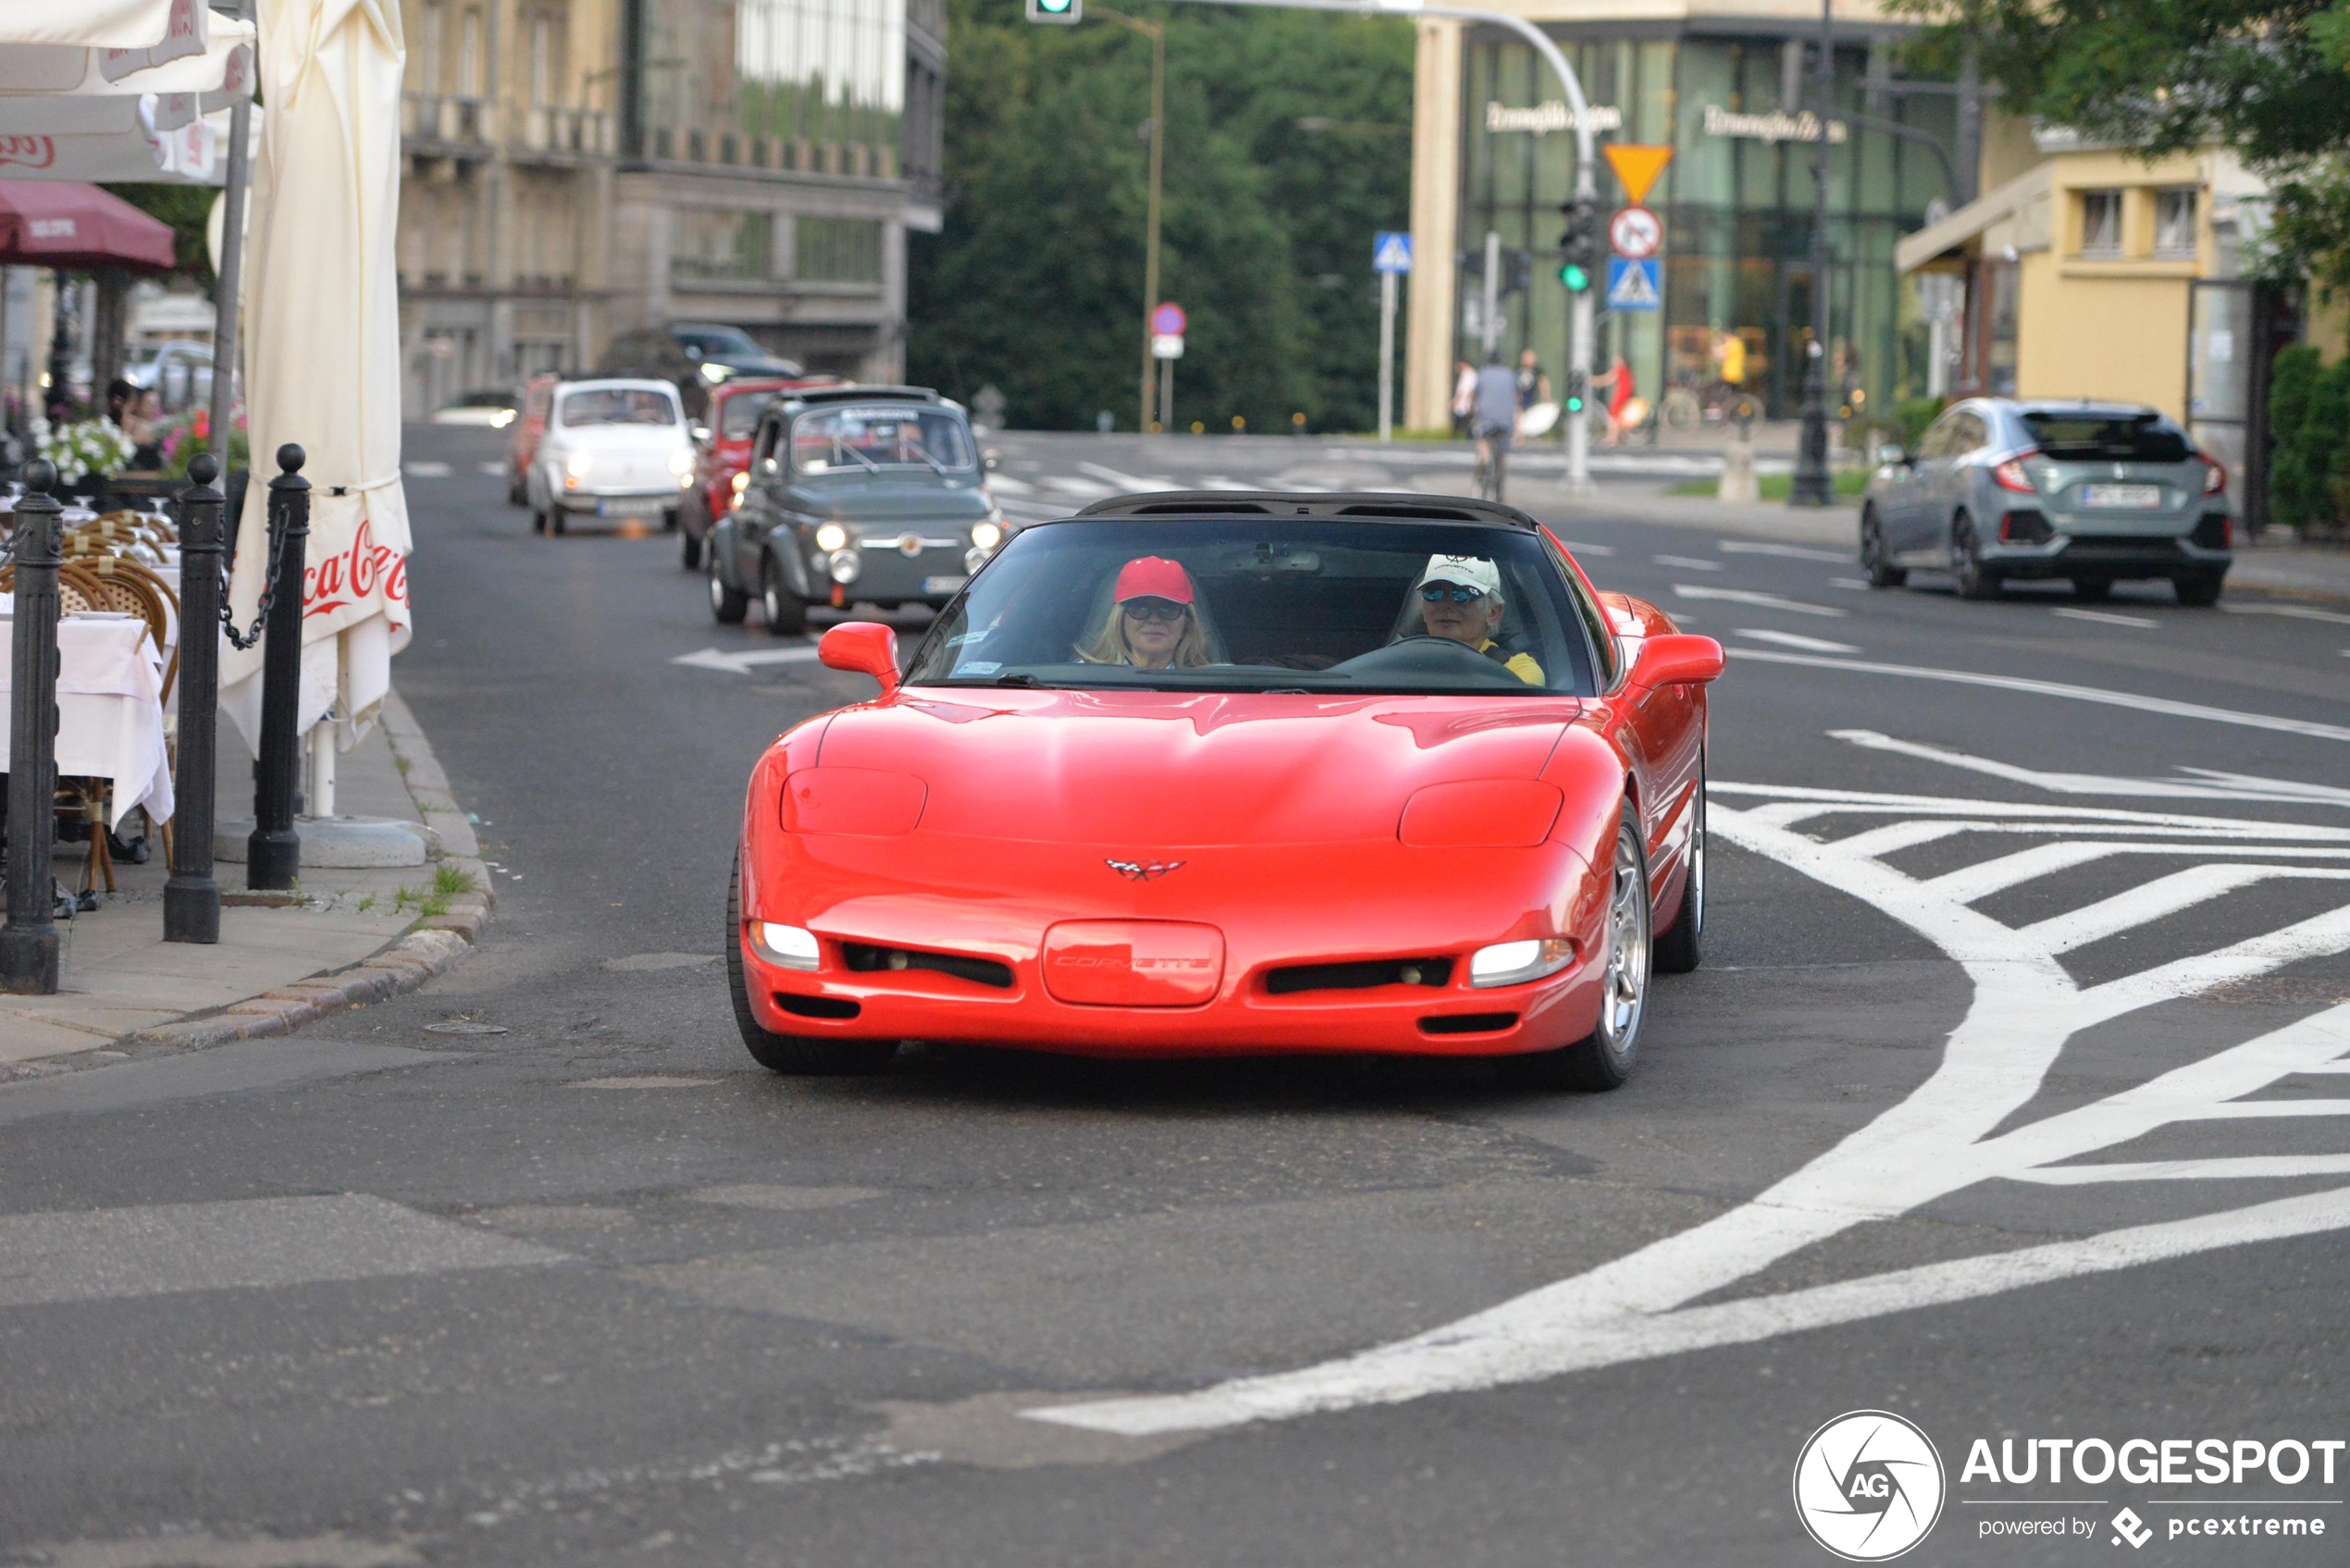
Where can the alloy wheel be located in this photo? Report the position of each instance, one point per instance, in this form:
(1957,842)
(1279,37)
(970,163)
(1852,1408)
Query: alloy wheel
(1624,993)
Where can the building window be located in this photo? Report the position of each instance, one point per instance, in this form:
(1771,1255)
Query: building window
(469,54)
(2100,223)
(542,61)
(429,52)
(837,250)
(714,245)
(2174,228)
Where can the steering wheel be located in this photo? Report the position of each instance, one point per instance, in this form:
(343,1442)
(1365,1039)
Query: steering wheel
(1424,654)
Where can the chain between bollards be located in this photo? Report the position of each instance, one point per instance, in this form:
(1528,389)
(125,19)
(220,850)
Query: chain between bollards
(30,943)
(192,898)
(273,854)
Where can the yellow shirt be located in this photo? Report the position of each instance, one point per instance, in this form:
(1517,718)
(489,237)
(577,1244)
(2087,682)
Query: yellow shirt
(1522,665)
(1734,359)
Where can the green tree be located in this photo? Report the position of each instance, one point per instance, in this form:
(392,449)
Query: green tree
(2265,77)
(188,208)
(1034,283)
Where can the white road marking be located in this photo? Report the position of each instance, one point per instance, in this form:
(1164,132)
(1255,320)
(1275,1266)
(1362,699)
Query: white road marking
(1131,483)
(2223,785)
(2292,611)
(2164,895)
(1004,484)
(1764,601)
(496,470)
(1793,552)
(2104,616)
(2252,1165)
(1794,640)
(264,1243)
(1689,563)
(744,662)
(1086,489)
(426,470)
(1223,482)
(1941,1139)
(2077,694)
(1580,547)
(1848,582)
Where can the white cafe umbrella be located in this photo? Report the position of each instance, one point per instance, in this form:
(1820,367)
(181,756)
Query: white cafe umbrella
(322,354)
(100,24)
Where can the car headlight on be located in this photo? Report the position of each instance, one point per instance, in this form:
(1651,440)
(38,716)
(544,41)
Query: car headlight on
(831,537)
(845,565)
(1514,963)
(501,419)
(986,534)
(792,948)
(682,464)
(579,464)
(714,373)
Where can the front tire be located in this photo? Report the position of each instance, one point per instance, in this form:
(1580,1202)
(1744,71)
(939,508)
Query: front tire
(1881,573)
(787,613)
(791,1054)
(2199,590)
(1604,1059)
(1680,947)
(727,605)
(1974,580)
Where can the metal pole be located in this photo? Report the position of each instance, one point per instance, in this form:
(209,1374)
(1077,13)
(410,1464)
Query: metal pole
(29,947)
(1812,486)
(1166,394)
(1157,33)
(227,287)
(1580,312)
(1489,325)
(192,898)
(273,854)
(1386,357)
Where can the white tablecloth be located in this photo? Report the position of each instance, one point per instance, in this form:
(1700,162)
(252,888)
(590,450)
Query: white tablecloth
(109,709)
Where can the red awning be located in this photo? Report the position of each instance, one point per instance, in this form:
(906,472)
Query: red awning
(78,228)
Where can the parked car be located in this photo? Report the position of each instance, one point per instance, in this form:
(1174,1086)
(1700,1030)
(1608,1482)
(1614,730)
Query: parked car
(694,356)
(871,495)
(613,448)
(722,459)
(2002,489)
(530,424)
(1225,773)
(178,370)
(490,409)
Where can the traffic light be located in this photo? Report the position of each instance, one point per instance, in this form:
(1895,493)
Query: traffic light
(1579,246)
(1517,271)
(1578,385)
(1063,11)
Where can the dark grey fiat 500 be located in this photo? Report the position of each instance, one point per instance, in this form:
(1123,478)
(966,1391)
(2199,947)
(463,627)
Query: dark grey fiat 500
(855,495)
(2091,492)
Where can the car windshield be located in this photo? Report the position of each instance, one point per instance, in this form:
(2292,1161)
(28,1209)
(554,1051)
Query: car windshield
(2109,438)
(1303,604)
(708,340)
(738,416)
(618,405)
(863,438)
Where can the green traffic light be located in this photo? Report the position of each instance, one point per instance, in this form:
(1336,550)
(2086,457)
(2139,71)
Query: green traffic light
(1574,404)
(1575,277)
(1054,6)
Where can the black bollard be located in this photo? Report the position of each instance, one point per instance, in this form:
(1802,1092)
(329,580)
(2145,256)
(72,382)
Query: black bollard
(30,944)
(273,854)
(192,898)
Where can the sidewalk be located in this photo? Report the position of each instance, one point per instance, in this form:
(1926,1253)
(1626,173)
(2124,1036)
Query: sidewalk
(344,938)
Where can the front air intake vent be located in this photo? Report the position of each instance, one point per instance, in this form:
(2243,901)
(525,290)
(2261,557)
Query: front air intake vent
(1469,1023)
(866,959)
(1358,977)
(816,1006)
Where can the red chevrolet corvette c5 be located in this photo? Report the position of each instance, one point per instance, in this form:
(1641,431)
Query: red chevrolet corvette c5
(1233,773)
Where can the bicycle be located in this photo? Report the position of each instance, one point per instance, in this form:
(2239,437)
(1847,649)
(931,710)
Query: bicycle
(1492,466)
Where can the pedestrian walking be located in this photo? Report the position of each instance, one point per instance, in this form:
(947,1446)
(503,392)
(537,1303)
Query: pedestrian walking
(1464,396)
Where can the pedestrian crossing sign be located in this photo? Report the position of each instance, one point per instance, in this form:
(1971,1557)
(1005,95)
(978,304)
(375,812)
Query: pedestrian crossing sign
(1392,253)
(1633,285)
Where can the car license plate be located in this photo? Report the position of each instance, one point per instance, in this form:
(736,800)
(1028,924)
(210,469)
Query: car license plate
(944,585)
(2141,496)
(632,506)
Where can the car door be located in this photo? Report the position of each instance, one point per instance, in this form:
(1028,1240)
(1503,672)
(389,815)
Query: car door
(1954,482)
(1908,526)
(762,496)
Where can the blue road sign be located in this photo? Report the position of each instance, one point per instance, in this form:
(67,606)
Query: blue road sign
(1392,253)
(1633,285)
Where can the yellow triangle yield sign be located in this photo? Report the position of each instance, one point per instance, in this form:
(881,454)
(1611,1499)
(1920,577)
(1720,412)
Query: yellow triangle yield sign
(1637,165)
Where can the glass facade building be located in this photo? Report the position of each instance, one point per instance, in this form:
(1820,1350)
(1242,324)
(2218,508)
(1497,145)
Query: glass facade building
(1739,110)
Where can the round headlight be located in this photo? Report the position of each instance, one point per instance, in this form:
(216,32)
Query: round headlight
(986,536)
(681,463)
(831,537)
(846,566)
(579,462)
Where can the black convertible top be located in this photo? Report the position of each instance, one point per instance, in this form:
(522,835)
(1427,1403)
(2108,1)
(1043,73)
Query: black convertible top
(1403,506)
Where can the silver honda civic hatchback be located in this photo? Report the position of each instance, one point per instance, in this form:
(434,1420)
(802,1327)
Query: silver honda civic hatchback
(2001,489)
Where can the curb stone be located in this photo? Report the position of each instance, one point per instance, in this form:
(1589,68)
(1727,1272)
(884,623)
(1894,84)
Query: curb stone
(429,950)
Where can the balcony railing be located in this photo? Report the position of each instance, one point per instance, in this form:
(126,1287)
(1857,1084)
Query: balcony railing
(552,130)
(461,121)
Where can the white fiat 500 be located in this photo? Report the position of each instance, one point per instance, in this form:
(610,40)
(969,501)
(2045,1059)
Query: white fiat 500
(613,448)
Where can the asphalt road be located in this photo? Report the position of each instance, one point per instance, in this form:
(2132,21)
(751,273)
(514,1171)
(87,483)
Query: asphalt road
(2006,896)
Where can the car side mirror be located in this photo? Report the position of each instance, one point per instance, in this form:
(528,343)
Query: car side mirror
(701,435)
(871,649)
(1893,455)
(1679,659)
(989,459)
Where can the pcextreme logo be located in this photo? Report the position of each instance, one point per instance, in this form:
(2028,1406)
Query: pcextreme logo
(1869,1486)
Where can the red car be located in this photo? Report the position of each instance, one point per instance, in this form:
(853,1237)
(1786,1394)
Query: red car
(720,456)
(1221,773)
(530,423)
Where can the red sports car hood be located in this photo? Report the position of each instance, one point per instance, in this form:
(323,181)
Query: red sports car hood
(1176,770)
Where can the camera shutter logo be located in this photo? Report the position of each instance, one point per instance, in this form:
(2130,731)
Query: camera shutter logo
(1869,1486)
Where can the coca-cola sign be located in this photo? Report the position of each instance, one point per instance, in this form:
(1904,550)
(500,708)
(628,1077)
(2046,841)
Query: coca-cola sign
(27,152)
(355,576)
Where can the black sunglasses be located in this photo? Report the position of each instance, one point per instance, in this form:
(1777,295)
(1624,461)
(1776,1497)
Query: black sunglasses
(1154,609)
(1459,593)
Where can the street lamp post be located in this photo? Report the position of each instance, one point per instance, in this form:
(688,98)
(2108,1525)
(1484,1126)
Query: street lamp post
(1157,33)
(1812,484)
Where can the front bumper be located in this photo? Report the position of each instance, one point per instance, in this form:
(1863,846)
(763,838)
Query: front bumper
(995,901)
(934,574)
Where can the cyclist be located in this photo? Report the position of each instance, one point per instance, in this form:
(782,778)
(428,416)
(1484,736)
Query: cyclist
(1494,418)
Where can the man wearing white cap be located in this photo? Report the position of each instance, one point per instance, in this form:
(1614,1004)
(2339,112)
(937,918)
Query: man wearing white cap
(1461,598)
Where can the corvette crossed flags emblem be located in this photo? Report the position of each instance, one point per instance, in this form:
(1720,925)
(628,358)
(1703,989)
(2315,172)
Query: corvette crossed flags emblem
(1142,870)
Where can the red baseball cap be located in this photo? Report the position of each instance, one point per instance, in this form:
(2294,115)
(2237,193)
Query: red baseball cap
(1154,576)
